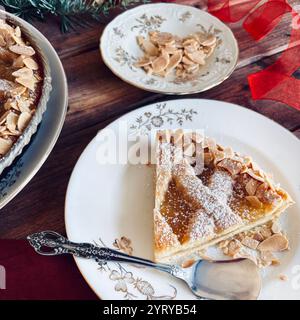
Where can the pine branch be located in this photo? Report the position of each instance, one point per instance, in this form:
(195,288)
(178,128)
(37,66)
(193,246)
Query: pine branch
(71,12)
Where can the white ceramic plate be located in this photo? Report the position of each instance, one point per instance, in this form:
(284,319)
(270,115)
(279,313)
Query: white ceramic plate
(107,202)
(119,47)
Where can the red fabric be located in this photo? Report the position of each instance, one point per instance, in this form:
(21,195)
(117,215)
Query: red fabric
(275,82)
(32,276)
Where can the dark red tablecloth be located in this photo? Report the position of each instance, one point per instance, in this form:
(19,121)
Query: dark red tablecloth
(32,276)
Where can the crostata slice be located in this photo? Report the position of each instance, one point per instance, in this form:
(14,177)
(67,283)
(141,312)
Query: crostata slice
(206,193)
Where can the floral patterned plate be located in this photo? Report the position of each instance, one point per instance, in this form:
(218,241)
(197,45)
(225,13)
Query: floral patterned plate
(112,204)
(120,50)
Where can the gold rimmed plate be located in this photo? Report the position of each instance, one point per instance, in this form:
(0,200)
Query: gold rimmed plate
(120,51)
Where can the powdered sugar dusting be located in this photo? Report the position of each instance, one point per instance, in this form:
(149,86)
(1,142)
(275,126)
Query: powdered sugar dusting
(202,197)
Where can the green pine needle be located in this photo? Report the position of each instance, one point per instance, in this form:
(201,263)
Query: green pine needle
(72,13)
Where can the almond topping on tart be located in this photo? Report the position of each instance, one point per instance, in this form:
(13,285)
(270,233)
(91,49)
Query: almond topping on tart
(251,187)
(22,49)
(23,120)
(19,84)
(31,64)
(5,145)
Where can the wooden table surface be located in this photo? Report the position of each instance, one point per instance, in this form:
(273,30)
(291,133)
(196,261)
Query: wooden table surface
(97,97)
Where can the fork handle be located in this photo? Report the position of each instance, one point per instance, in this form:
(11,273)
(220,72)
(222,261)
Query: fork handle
(50,243)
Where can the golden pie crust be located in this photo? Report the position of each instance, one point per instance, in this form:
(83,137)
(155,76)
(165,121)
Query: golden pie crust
(196,209)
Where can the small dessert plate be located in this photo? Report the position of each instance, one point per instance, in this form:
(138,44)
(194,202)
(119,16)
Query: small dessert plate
(120,50)
(111,203)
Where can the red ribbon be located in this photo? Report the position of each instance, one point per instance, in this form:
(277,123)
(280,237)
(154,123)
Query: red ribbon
(276,82)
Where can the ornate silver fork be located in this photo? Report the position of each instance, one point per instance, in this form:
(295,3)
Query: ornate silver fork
(228,279)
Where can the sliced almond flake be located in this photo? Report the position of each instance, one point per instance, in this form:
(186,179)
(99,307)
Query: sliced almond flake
(190,49)
(268,258)
(233,167)
(145,61)
(265,231)
(24,105)
(198,57)
(18,40)
(18,32)
(251,187)
(2,41)
(223,244)
(209,41)
(191,68)
(160,63)
(3,117)
(11,121)
(170,49)
(31,64)
(18,91)
(234,247)
(258,236)
(219,156)
(149,48)
(5,145)
(187,61)
(164,38)
(9,104)
(228,152)
(254,202)
(276,227)
(200,37)
(209,50)
(11,133)
(247,161)
(22,49)
(174,61)
(190,42)
(250,243)
(19,62)
(254,175)
(28,83)
(23,120)
(275,243)
(266,195)
(24,73)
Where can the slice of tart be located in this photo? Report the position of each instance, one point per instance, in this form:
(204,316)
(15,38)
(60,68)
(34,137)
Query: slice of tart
(206,193)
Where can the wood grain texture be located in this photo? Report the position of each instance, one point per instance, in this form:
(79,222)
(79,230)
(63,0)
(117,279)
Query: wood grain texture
(97,97)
